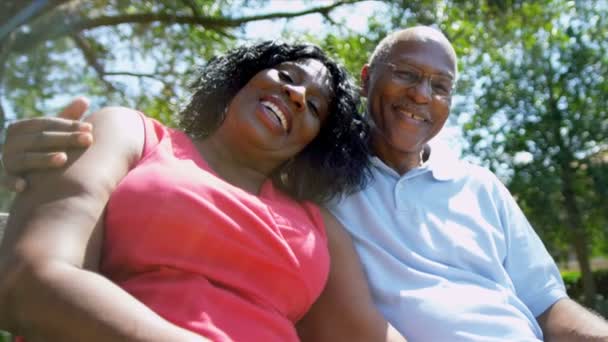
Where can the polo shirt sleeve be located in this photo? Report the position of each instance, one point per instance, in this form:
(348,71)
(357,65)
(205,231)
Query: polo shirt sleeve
(535,276)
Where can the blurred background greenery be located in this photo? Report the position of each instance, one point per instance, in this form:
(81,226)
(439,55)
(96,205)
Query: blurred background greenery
(531,98)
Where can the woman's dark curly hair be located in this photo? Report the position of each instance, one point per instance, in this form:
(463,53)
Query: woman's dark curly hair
(335,163)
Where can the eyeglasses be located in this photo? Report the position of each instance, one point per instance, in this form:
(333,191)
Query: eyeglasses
(410,76)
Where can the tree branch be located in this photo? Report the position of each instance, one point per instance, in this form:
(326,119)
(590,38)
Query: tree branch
(2,117)
(133,74)
(192,5)
(26,41)
(91,58)
(5,49)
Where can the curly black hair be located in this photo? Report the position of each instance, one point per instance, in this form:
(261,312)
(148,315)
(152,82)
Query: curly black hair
(335,163)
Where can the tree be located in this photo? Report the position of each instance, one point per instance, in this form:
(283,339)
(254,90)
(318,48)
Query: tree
(542,96)
(97,47)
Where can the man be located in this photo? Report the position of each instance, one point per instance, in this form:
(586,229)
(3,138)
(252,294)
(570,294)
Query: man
(448,253)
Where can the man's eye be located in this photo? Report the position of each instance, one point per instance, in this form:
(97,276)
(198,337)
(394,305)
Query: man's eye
(284,76)
(407,75)
(441,87)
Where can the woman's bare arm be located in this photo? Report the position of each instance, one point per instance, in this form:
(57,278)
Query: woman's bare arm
(45,290)
(345,310)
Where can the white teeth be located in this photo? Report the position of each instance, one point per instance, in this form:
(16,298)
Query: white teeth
(280,115)
(414,116)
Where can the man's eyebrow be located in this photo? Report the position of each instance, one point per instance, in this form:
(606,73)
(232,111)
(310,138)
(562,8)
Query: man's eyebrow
(447,74)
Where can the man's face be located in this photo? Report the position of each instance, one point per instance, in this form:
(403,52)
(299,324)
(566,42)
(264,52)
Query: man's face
(409,95)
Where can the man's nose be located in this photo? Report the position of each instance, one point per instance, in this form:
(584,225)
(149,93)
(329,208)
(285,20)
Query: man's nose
(421,92)
(296,94)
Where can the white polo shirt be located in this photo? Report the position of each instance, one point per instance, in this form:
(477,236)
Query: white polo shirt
(449,255)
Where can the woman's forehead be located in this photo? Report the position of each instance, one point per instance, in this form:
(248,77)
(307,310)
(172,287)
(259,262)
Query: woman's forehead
(316,72)
(313,67)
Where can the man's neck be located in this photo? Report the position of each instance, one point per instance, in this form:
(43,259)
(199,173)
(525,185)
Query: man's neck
(400,161)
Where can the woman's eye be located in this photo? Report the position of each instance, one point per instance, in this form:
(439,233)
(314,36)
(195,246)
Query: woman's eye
(313,108)
(284,76)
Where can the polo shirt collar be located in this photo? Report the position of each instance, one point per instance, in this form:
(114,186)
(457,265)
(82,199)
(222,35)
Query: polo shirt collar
(443,167)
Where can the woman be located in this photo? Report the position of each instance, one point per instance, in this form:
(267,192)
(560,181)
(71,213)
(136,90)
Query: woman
(208,233)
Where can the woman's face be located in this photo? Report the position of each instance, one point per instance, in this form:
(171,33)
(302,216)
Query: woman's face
(281,109)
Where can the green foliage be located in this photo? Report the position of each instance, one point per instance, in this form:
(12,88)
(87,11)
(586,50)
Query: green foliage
(132,64)
(574,287)
(544,94)
(571,278)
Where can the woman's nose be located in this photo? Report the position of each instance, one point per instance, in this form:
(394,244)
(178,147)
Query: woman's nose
(296,94)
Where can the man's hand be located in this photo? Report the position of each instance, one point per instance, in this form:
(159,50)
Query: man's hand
(41,143)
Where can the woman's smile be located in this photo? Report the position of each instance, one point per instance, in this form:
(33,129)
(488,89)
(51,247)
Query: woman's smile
(277,111)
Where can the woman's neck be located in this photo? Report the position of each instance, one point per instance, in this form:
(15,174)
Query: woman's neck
(240,172)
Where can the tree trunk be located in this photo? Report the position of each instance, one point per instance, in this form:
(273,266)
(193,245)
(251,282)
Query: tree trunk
(579,237)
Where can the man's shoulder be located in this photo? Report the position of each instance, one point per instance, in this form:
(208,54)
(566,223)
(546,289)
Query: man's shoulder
(477,171)
(453,168)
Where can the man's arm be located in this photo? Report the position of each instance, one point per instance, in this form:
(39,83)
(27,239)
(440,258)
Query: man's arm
(46,292)
(345,310)
(538,282)
(566,321)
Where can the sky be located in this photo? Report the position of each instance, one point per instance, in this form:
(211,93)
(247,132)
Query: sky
(357,15)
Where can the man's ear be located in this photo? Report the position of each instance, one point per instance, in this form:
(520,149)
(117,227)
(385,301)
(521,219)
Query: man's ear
(364,80)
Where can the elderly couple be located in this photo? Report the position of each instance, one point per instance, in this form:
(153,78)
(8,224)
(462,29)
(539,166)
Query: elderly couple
(277,213)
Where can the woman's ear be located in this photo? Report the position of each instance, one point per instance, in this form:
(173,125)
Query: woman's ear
(364,80)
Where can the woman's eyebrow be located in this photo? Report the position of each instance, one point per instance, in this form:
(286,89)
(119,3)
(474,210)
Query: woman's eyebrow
(324,92)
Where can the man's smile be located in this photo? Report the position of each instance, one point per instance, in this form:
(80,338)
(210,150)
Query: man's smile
(412,115)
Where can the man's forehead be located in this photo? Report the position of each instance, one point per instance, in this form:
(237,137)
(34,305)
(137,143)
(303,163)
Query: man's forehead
(421,33)
(430,54)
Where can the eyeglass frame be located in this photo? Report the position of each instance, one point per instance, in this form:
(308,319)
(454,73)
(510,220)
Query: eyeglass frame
(420,76)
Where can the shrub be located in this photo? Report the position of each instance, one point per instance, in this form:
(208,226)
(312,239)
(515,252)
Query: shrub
(574,287)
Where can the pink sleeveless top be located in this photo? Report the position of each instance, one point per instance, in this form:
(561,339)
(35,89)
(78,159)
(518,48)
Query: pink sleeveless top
(206,255)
